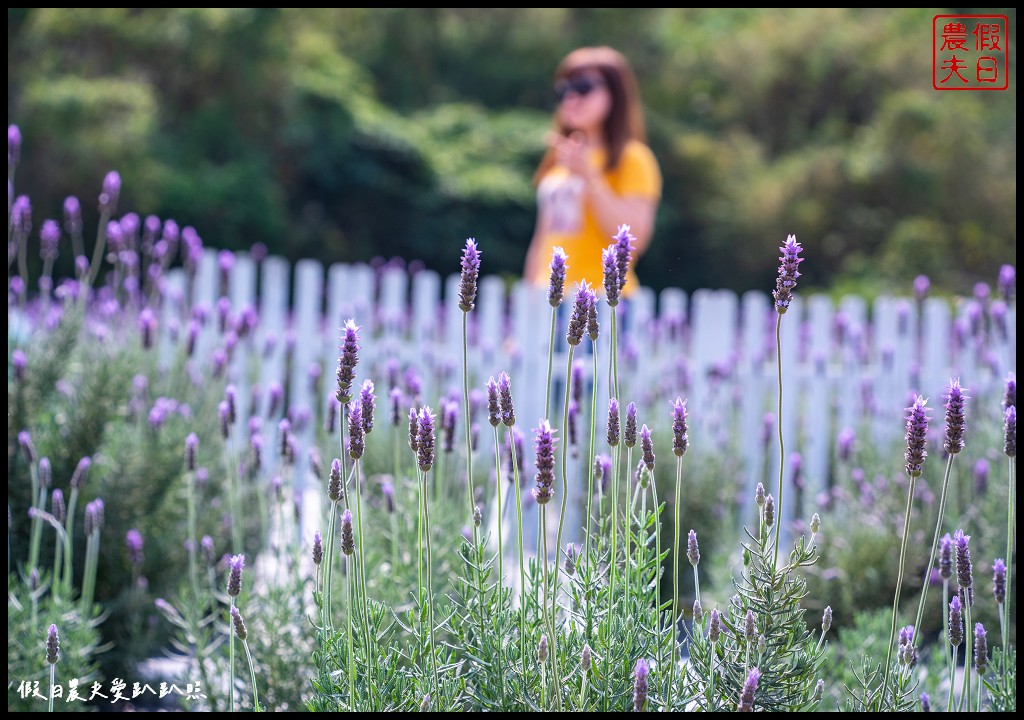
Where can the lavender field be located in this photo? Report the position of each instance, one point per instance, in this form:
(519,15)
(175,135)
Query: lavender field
(235,484)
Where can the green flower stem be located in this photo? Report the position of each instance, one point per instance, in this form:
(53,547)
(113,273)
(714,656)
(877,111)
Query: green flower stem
(364,601)
(53,684)
(70,526)
(501,551)
(252,675)
(37,529)
(548,606)
(555,670)
(522,555)
(329,569)
(583,692)
(231,660)
(97,255)
(968,655)
(935,544)
(899,585)
(234,499)
(193,567)
(430,587)
(952,680)
(551,359)
(590,456)
(469,460)
(657,576)
(1011,529)
(782,448)
(627,543)
(676,557)
(349,620)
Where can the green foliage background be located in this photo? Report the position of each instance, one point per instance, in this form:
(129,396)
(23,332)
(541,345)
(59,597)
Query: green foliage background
(348,133)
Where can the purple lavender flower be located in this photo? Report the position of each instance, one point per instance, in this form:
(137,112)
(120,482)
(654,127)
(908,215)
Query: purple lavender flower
(508,411)
(955,423)
(998,581)
(449,417)
(680,441)
(542,650)
(14,154)
(769,511)
(1007,282)
(980,472)
(133,542)
(81,473)
(347,361)
(45,473)
(556,285)
(613,422)
(356,435)
(640,673)
(348,541)
(470,273)
(585,657)
(917,431)
(609,263)
(414,429)
(27,446)
(284,429)
(572,420)
(647,445)
(921,287)
(580,310)
(395,398)
(225,263)
(235,565)
(318,548)
(715,626)
(826,619)
(425,439)
(788,274)
(926,703)
(238,623)
(209,554)
(544,444)
(845,442)
(980,649)
(492,402)
(334,481)
(746,703)
(111,193)
(570,559)
(19,361)
(224,414)
(388,489)
(147,326)
(946,557)
(191,449)
(623,253)
(692,550)
(52,645)
(629,434)
(749,628)
(49,239)
(72,215)
(593,328)
(964,576)
(1010,431)
(367,403)
(60,509)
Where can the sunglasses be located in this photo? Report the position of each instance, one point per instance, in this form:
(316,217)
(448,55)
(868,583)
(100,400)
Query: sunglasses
(582,86)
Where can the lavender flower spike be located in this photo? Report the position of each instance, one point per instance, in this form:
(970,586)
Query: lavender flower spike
(318,548)
(356,437)
(348,541)
(13,149)
(715,626)
(746,703)
(580,312)
(493,409)
(425,439)
(414,429)
(545,448)
(788,274)
(133,542)
(334,482)
(647,445)
(1010,392)
(955,423)
(623,253)
(236,563)
(946,557)
(241,632)
(1010,431)
(556,286)
(640,673)
(347,361)
(1007,282)
(613,422)
(609,262)
(111,192)
(692,550)
(470,273)
(980,649)
(964,575)
(508,410)
(956,622)
(367,402)
(999,580)
(680,441)
(629,433)
(917,430)
(52,645)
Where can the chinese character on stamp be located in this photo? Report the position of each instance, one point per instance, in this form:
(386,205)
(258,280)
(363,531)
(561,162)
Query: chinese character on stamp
(970,52)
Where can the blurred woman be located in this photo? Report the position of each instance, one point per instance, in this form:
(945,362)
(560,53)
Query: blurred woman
(598,172)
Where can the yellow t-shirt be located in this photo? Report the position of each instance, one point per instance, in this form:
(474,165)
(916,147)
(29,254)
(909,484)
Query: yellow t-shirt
(573,226)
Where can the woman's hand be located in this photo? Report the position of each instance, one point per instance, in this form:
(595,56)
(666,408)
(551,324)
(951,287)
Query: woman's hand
(573,153)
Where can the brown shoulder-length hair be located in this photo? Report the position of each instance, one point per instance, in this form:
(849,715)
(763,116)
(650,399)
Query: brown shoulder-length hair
(625,122)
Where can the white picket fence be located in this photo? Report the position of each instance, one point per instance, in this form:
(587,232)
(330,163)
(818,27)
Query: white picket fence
(843,364)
